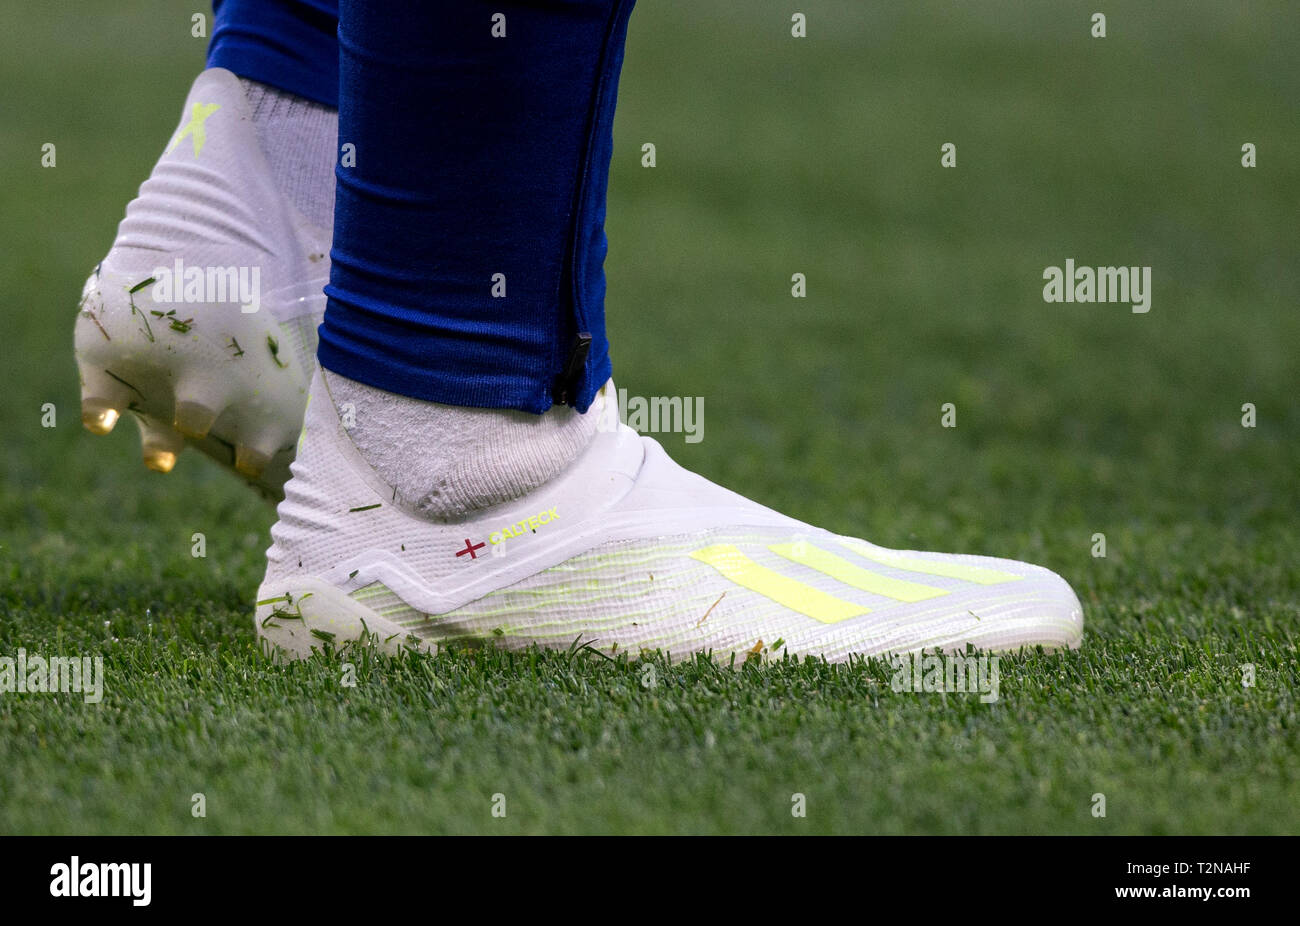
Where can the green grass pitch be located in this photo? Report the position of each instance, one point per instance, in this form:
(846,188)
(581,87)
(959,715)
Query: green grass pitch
(775,156)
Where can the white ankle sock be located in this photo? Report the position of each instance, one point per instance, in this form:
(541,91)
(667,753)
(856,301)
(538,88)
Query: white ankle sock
(300,138)
(447,460)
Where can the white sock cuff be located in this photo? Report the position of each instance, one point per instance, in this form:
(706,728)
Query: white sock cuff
(448,460)
(299,137)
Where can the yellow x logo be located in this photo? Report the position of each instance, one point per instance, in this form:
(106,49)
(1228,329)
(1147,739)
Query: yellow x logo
(194,128)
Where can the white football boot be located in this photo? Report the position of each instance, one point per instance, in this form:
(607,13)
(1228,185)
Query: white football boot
(202,318)
(624,551)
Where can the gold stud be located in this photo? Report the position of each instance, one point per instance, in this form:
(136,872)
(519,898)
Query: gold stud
(194,420)
(160,461)
(98,418)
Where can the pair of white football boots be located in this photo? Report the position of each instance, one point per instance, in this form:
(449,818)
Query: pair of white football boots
(623,550)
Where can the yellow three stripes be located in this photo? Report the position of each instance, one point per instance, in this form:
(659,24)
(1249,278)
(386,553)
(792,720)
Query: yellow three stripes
(824,607)
(839,568)
(796,596)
